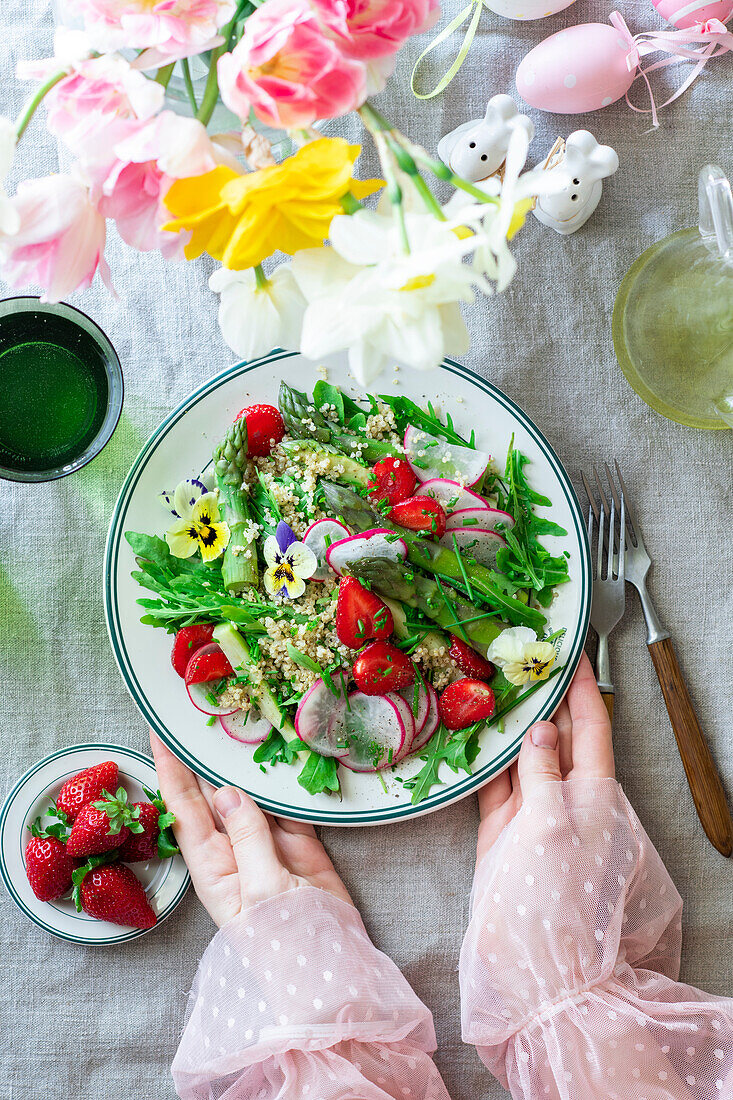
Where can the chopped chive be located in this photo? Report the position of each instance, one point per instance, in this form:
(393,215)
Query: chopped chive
(462,568)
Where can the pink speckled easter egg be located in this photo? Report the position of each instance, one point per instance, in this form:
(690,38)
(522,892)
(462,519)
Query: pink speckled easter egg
(685,13)
(578,69)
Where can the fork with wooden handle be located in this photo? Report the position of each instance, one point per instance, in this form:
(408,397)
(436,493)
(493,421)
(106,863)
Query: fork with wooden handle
(702,774)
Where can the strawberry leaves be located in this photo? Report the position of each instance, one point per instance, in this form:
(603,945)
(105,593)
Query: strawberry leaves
(59,826)
(167,846)
(119,811)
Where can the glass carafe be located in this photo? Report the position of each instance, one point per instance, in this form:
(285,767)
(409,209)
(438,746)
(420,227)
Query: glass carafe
(673,317)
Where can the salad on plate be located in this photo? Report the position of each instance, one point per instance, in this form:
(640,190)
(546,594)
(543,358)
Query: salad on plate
(354,584)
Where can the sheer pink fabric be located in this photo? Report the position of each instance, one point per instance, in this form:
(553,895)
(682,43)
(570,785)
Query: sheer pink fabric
(292,1000)
(570,963)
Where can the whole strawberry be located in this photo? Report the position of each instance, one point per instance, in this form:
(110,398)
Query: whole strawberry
(49,867)
(112,892)
(87,786)
(101,826)
(156,841)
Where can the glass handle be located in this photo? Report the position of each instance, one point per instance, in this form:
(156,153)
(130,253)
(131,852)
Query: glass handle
(716,212)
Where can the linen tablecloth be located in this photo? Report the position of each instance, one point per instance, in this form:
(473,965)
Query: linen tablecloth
(94,1023)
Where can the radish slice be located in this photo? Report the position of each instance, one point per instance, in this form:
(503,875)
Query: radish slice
(423,705)
(319,536)
(486,518)
(408,720)
(372,544)
(200,691)
(438,459)
(432,721)
(319,721)
(477,543)
(250,728)
(450,494)
(375,731)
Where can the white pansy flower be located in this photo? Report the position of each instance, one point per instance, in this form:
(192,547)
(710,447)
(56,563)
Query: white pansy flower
(367,294)
(9,217)
(255,319)
(520,656)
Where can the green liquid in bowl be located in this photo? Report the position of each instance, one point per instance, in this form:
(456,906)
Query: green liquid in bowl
(673,329)
(54,391)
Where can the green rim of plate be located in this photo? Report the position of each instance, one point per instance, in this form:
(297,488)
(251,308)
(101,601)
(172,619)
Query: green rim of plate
(452,792)
(5,873)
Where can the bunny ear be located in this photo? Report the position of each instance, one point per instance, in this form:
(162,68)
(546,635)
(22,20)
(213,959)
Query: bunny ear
(500,106)
(593,161)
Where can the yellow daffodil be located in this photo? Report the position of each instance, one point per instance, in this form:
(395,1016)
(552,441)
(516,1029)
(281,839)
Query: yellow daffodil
(198,528)
(242,219)
(520,656)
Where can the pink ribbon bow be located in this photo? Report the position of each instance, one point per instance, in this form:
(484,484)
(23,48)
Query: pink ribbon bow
(714,36)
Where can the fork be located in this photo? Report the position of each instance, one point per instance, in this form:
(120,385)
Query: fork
(702,775)
(609,595)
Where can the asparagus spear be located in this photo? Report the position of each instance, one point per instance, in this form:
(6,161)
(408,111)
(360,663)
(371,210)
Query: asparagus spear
(237,653)
(455,616)
(433,558)
(331,462)
(304,421)
(434,641)
(239,564)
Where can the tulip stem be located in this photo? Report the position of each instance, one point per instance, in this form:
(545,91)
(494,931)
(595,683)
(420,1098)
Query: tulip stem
(443,172)
(211,91)
(260,277)
(189,84)
(33,103)
(388,161)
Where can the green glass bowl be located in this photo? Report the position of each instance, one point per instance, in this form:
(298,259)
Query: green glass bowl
(673,329)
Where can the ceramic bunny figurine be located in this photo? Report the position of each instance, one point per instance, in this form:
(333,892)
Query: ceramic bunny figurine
(476,149)
(583,164)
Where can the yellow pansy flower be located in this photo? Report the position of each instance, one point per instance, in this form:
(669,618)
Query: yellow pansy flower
(198,528)
(520,656)
(242,219)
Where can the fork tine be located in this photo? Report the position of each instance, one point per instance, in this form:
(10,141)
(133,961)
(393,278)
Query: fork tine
(622,541)
(599,554)
(604,502)
(635,531)
(611,542)
(591,498)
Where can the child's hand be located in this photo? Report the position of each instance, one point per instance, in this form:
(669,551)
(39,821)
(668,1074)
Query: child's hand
(577,745)
(237,855)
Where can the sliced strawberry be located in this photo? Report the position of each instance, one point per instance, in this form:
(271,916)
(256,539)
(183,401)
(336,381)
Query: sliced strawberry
(212,665)
(101,826)
(360,614)
(49,867)
(265,428)
(465,702)
(113,893)
(380,668)
(187,641)
(420,514)
(392,480)
(469,661)
(87,786)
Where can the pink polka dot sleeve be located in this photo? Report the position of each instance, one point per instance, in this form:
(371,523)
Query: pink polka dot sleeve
(292,1000)
(570,963)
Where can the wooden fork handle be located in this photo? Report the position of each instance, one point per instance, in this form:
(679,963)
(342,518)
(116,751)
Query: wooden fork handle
(608,698)
(702,774)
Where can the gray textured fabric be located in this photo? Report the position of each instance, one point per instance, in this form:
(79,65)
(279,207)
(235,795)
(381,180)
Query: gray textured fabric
(91,1023)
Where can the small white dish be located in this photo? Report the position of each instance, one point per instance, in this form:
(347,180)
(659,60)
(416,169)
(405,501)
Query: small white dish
(165,881)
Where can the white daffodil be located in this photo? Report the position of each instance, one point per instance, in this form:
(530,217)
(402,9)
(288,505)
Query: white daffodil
(289,563)
(9,216)
(369,294)
(256,318)
(198,528)
(520,656)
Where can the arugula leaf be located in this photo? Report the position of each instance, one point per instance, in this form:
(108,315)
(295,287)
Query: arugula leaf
(276,750)
(319,774)
(303,659)
(407,413)
(326,394)
(263,504)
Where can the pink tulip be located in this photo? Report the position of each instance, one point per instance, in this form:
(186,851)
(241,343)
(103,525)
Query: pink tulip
(288,71)
(171,28)
(368,29)
(168,147)
(60,240)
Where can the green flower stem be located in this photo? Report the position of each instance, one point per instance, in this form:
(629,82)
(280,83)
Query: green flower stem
(260,277)
(189,84)
(443,172)
(34,102)
(387,162)
(164,75)
(211,91)
(382,129)
(350,204)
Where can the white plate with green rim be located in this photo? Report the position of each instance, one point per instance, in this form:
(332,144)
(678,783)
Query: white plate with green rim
(182,446)
(165,881)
